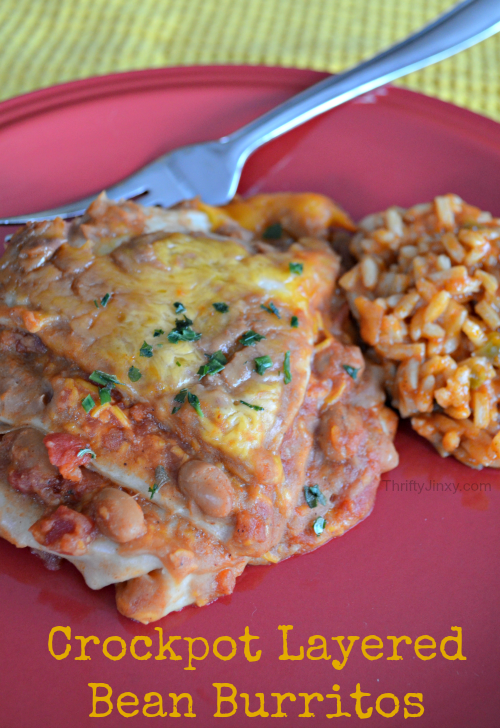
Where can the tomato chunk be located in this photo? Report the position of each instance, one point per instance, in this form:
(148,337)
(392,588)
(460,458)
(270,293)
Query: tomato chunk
(63,452)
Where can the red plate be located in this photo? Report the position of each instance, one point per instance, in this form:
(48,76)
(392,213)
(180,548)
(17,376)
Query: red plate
(422,564)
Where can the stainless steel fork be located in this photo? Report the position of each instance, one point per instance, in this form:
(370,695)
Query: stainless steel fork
(212,170)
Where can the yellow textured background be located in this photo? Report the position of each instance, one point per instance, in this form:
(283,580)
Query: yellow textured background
(44,42)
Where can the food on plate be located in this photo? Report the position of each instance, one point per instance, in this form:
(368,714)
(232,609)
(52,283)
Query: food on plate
(425,294)
(180,395)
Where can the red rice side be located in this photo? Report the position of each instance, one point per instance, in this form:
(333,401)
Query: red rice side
(426,295)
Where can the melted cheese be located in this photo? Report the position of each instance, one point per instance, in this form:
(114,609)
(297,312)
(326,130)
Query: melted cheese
(144,277)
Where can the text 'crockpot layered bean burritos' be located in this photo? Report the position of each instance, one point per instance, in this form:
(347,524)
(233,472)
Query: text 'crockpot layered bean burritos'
(179,395)
(426,294)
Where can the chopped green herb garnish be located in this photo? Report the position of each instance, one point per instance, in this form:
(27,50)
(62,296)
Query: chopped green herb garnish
(352,371)
(103,378)
(319,526)
(146,350)
(86,451)
(158,332)
(105,395)
(313,496)
(286,368)
(134,374)
(191,398)
(153,489)
(104,300)
(262,363)
(178,363)
(88,403)
(186,335)
(271,309)
(221,307)
(180,397)
(183,331)
(161,477)
(252,406)
(250,338)
(216,363)
(273,232)
(179,307)
(195,403)
(296,268)
(294,322)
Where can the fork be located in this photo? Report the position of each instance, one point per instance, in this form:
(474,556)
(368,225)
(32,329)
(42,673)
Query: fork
(212,170)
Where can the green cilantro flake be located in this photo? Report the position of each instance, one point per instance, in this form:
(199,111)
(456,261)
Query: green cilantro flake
(294,322)
(221,307)
(88,403)
(216,363)
(158,332)
(146,350)
(103,378)
(273,232)
(262,363)
(105,395)
(186,335)
(286,368)
(296,268)
(134,374)
(191,398)
(252,406)
(183,331)
(195,403)
(178,363)
(352,371)
(180,397)
(86,451)
(250,338)
(319,526)
(271,309)
(179,307)
(313,496)
(104,300)
(153,490)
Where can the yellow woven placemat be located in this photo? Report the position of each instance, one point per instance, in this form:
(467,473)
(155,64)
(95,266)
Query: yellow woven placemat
(44,42)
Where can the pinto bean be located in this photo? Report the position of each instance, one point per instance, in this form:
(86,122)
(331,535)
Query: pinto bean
(117,515)
(30,470)
(146,597)
(208,486)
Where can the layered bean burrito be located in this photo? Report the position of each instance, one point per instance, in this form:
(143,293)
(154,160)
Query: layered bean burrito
(180,396)
(425,291)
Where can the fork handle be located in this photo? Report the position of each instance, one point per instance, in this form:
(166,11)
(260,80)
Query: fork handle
(464,25)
